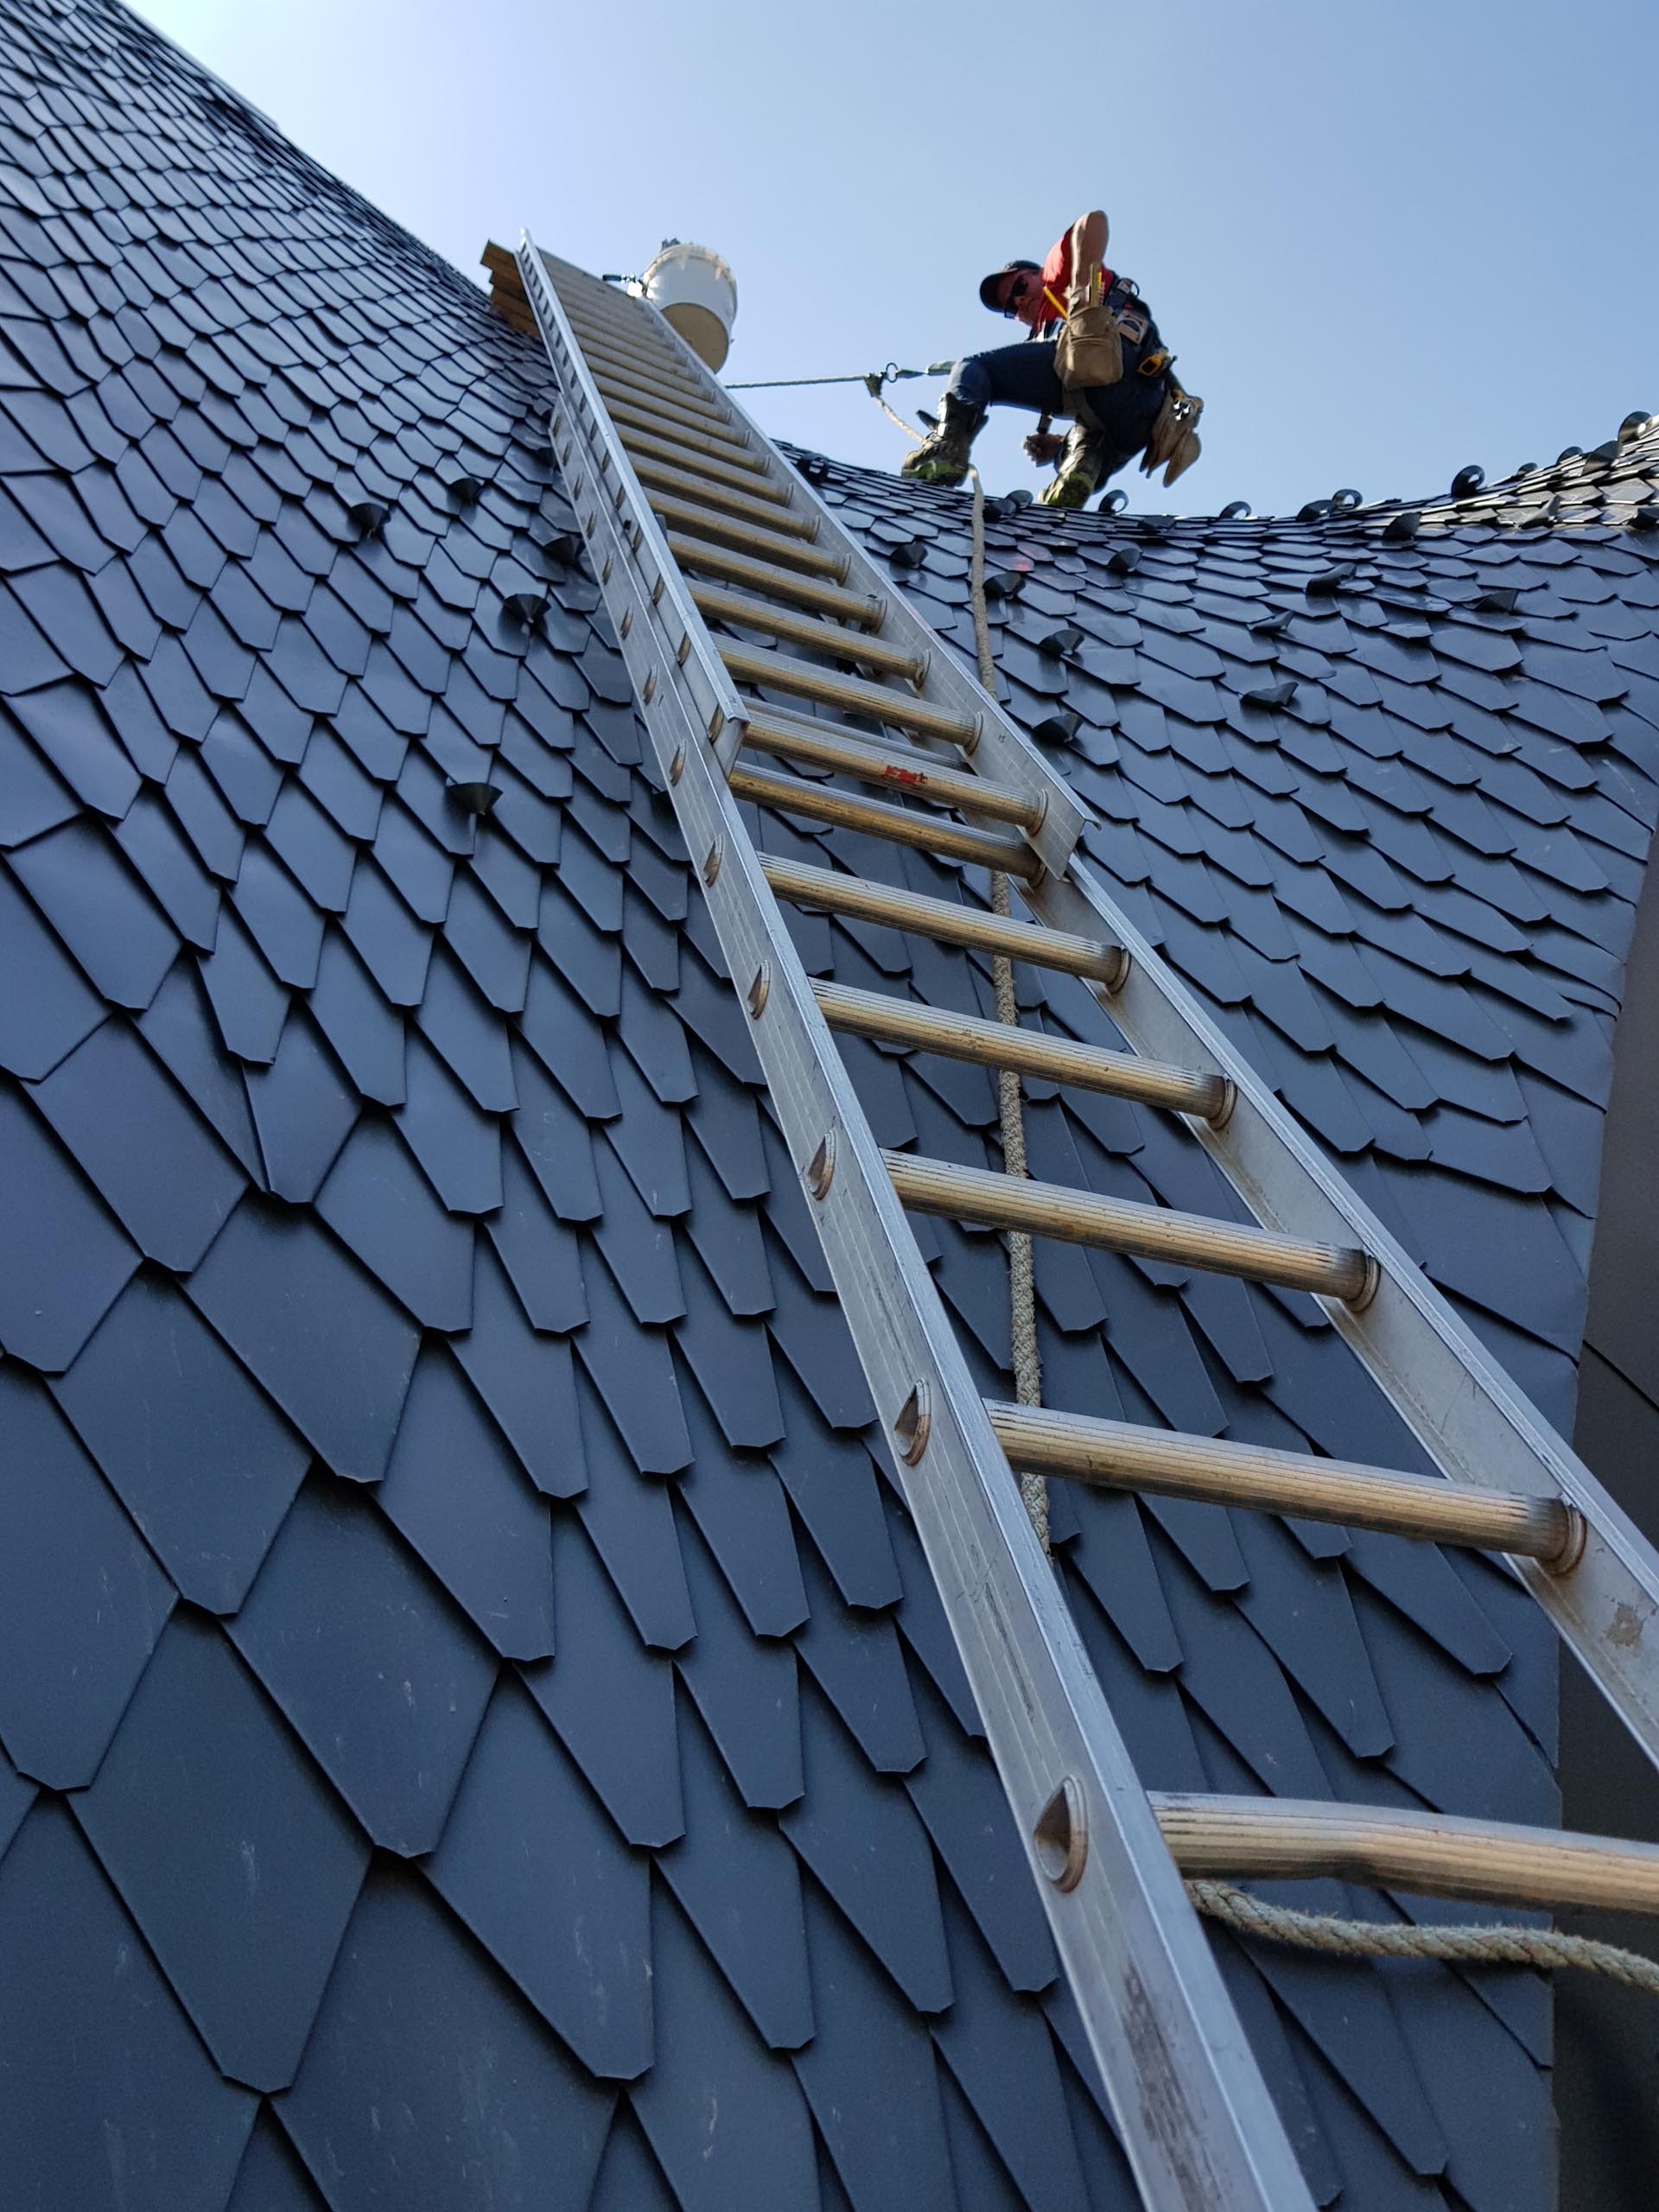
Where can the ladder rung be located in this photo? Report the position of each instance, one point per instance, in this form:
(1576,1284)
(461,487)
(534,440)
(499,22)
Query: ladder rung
(687,487)
(726,445)
(661,408)
(950,840)
(1144,1232)
(1118,1455)
(851,694)
(619,356)
(657,401)
(945,921)
(1028,1051)
(627,326)
(751,477)
(667,381)
(858,606)
(691,517)
(801,630)
(899,767)
(1433,1854)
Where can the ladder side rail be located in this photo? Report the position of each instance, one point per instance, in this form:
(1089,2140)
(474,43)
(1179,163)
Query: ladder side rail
(612,487)
(1195,2118)
(1476,1424)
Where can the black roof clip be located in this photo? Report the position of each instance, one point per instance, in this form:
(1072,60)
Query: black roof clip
(1645,518)
(1272,695)
(1234,510)
(1328,583)
(1403,528)
(1633,425)
(476,798)
(1059,643)
(465,490)
(1270,626)
(560,551)
(910,554)
(526,608)
(1123,560)
(1500,599)
(367,516)
(1008,583)
(1468,481)
(1057,729)
(813,467)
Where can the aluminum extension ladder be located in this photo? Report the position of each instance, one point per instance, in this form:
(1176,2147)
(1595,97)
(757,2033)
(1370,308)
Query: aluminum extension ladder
(692,519)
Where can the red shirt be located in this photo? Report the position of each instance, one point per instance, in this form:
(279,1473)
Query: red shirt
(1034,310)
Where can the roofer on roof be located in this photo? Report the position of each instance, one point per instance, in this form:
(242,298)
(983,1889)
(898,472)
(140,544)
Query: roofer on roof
(1099,359)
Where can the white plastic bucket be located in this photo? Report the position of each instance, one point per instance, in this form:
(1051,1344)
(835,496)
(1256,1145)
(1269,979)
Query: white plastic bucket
(697,293)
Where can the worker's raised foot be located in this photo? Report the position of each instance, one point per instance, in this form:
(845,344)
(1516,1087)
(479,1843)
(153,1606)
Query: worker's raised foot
(942,457)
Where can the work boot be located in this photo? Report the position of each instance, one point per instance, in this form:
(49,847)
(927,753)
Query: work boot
(1081,465)
(942,457)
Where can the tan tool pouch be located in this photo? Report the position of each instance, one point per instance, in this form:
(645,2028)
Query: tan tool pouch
(1089,350)
(1174,437)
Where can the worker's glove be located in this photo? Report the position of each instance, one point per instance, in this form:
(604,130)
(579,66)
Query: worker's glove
(1042,447)
(1091,350)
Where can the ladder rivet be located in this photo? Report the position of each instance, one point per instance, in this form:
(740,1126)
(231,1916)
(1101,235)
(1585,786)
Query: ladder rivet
(821,1168)
(605,573)
(760,989)
(1061,1836)
(914,1425)
(676,765)
(657,585)
(627,623)
(716,723)
(684,652)
(648,688)
(711,865)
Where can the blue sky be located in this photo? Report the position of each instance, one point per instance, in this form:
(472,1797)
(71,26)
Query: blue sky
(1385,239)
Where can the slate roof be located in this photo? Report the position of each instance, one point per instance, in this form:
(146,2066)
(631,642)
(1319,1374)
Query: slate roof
(478,1727)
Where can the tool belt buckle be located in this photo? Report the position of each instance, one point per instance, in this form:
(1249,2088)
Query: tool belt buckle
(1133,327)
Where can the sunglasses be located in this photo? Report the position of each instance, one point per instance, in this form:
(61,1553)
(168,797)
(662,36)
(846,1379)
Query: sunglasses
(1019,289)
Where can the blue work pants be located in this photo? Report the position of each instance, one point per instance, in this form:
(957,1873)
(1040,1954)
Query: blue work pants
(1023,376)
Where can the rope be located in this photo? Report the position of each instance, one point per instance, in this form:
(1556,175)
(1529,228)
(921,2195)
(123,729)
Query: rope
(1022,1299)
(915,436)
(1544,1947)
(1022,1294)
(872,380)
